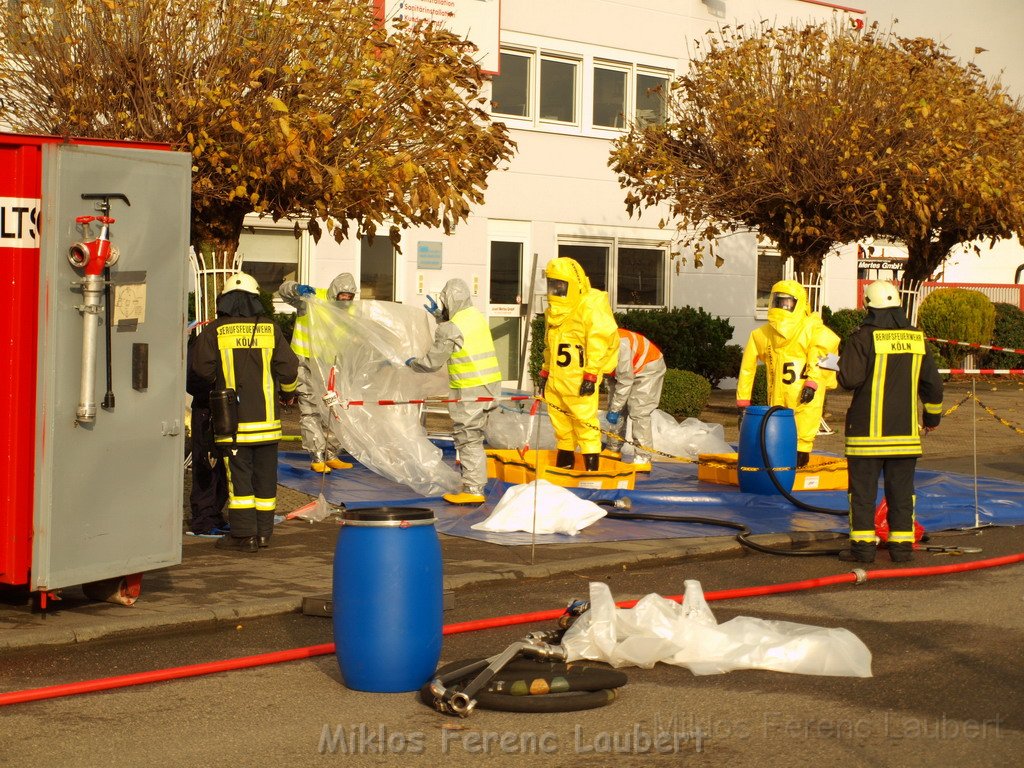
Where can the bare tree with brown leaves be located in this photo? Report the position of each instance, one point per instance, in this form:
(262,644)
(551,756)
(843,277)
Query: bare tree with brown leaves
(822,134)
(297,108)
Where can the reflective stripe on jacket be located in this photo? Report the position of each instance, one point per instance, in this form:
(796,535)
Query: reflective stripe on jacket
(888,370)
(641,350)
(476,363)
(300,334)
(253,359)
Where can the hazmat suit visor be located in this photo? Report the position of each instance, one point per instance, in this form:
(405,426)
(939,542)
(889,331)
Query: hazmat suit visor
(558,288)
(782,301)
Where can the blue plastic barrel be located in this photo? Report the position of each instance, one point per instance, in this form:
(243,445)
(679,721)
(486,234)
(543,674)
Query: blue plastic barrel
(387,608)
(780,439)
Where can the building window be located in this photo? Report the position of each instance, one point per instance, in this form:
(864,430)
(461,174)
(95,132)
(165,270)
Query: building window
(771,268)
(377,269)
(651,91)
(271,255)
(593,259)
(558,90)
(640,277)
(609,97)
(510,91)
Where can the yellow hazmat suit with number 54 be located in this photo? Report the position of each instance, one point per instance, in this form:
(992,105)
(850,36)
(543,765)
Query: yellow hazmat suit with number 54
(791,344)
(581,343)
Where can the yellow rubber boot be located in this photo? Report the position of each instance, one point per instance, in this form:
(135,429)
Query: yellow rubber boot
(464,498)
(320,467)
(335,463)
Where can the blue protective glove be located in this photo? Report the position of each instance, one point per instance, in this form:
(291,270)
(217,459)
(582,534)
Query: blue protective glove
(613,417)
(431,305)
(305,290)
(409,361)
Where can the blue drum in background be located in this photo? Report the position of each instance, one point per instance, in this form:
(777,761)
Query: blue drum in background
(780,440)
(387,596)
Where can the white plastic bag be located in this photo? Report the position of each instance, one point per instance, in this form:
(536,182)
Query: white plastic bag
(688,438)
(557,510)
(687,635)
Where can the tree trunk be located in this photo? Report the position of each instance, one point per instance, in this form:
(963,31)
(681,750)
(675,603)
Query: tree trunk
(926,255)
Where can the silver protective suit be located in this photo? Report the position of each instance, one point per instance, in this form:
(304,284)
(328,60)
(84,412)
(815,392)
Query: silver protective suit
(468,418)
(319,442)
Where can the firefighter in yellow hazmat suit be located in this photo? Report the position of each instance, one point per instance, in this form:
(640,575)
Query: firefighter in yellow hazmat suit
(791,345)
(581,343)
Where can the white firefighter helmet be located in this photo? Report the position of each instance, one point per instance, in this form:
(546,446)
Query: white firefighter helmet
(881,294)
(241,282)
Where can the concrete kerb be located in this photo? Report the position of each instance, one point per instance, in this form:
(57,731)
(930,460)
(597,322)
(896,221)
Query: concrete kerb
(156,619)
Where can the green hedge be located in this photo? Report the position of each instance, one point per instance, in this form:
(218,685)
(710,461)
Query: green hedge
(844,322)
(957,313)
(1008,332)
(685,393)
(691,339)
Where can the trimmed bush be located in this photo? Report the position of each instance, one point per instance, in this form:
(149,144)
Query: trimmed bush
(536,348)
(691,339)
(685,393)
(1008,332)
(957,313)
(844,322)
(759,393)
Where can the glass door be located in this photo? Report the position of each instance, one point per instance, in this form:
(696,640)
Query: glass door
(505,305)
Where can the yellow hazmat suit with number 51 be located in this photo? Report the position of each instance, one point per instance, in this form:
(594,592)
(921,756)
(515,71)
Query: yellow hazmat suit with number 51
(581,344)
(791,344)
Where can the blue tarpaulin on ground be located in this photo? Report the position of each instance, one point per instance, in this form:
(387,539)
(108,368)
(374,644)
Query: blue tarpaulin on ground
(944,501)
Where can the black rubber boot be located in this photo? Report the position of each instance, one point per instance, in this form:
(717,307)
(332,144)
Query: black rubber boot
(903,552)
(591,461)
(565,459)
(264,528)
(859,552)
(237,543)
(802,457)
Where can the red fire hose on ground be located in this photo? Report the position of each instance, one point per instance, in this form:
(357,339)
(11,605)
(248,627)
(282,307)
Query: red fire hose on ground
(244,662)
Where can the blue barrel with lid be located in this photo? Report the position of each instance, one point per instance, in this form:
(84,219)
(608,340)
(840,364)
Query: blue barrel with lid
(387,593)
(780,440)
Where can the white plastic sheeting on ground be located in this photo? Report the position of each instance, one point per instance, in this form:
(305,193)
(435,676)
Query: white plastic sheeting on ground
(555,510)
(367,344)
(688,635)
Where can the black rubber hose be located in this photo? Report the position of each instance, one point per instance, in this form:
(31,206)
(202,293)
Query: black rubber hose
(108,398)
(743,537)
(775,481)
(578,688)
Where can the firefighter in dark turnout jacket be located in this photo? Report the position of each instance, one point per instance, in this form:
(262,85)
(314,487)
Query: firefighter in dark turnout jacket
(887,366)
(249,354)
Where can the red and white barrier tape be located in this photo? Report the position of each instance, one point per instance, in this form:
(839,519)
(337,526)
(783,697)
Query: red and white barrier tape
(974,345)
(984,371)
(332,398)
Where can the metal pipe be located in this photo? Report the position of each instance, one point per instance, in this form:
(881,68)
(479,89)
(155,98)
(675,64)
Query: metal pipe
(92,301)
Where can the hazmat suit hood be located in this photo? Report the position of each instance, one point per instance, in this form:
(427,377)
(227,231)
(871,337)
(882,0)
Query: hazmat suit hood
(787,322)
(887,318)
(569,270)
(454,298)
(343,283)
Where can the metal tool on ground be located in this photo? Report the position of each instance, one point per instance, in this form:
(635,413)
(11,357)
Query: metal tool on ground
(530,675)
(460,701)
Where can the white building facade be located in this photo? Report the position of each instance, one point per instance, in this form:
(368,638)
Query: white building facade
(573,73)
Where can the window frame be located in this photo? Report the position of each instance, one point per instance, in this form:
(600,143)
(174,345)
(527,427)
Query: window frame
(530,66)
(613,244)
(627,95)
(586,59)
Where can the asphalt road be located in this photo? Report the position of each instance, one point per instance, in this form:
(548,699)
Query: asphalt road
(946,690)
